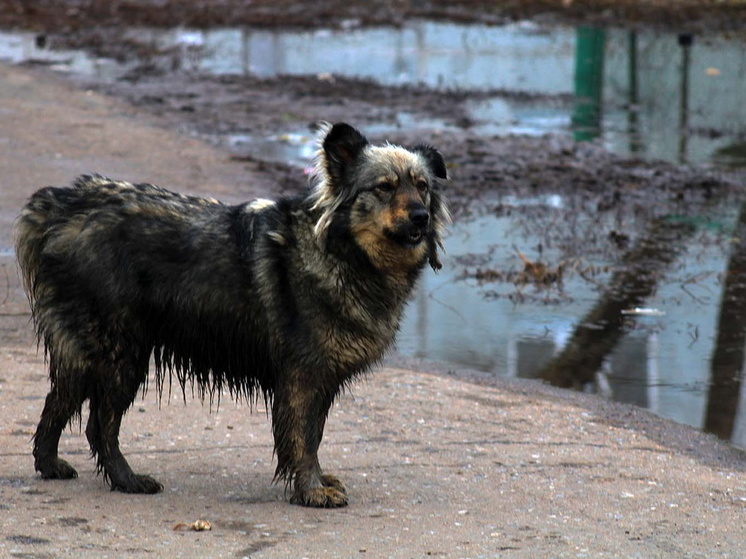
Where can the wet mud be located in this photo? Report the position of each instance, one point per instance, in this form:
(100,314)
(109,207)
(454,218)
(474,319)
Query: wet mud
(80,14)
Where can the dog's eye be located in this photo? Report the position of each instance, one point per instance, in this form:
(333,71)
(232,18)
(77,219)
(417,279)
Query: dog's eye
(421,186)
(385,187)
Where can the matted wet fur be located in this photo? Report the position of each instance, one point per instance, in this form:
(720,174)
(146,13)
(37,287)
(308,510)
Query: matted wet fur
(285,300)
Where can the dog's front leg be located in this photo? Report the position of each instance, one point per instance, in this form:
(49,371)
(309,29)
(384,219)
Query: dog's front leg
(298,417)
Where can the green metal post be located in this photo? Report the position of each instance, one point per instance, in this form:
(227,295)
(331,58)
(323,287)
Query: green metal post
(589,77)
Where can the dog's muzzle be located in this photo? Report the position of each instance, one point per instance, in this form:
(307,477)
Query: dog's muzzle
(418,219)
(412,231)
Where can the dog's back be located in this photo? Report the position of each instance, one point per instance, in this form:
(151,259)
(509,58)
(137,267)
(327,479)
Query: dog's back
(58,222)
(112,267)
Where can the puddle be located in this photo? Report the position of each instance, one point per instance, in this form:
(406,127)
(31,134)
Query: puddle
(654,95)
(657,95)
(299,147)
(660,356)
(27,47)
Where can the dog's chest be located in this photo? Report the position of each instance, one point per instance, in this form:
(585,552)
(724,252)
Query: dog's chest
(358,321)
(351,347)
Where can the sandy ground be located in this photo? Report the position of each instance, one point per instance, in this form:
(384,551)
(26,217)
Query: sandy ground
(436,464)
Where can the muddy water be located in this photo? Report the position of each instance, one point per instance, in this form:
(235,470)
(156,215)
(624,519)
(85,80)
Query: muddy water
(655,346)
(661,326)
(661,95)
(666,96)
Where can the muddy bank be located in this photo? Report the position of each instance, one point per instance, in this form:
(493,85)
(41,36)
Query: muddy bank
(56,15)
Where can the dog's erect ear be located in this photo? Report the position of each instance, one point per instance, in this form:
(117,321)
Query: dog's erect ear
(342,145)
(434,159)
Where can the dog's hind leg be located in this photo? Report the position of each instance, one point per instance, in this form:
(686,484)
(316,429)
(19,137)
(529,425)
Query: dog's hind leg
(58,410)
(108,405)
(298,431)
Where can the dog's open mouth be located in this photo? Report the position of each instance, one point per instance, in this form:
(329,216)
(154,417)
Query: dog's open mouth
(408,238)
(414,237)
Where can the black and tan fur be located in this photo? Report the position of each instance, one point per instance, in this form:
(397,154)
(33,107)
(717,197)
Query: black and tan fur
(285,300)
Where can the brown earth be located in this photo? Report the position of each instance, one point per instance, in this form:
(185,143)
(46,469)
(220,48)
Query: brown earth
(437,464)
(56,15)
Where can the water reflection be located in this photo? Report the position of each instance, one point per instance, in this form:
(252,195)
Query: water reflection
(730,343)
(599,331)
(514,57)
(26,47)
(657,326)
(660,95)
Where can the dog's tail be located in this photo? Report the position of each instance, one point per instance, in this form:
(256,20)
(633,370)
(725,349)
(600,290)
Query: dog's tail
(45,210)
(47,218)
(31,234)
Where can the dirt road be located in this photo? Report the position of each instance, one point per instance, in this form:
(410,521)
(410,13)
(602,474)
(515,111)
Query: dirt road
(435,465)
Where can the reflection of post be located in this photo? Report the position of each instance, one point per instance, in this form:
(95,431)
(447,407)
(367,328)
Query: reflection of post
(423,54)
(278,55)
(245,52)
(421,321)
(599,331)
(686,44)
(633,108)
(728,355)
(589,77)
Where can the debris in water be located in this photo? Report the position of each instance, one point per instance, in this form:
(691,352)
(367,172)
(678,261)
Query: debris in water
(643,311)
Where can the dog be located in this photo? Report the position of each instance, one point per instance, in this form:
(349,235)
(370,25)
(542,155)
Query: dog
(287,300)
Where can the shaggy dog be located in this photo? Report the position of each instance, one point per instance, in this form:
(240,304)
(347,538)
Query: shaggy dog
(287,300)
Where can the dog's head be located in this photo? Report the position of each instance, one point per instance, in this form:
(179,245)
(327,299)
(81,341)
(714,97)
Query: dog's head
(387,197)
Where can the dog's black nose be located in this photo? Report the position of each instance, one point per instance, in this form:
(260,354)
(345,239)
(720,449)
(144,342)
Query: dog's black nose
(419,216)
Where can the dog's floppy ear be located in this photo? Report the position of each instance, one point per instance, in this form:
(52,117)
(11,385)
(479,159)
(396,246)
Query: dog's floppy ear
(434,159)
(440,218)
(438,205)
(341,146)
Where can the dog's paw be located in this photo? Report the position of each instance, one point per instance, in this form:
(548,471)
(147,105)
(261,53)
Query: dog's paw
(138,484)
(333,482)
(320,497)
(56,468)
